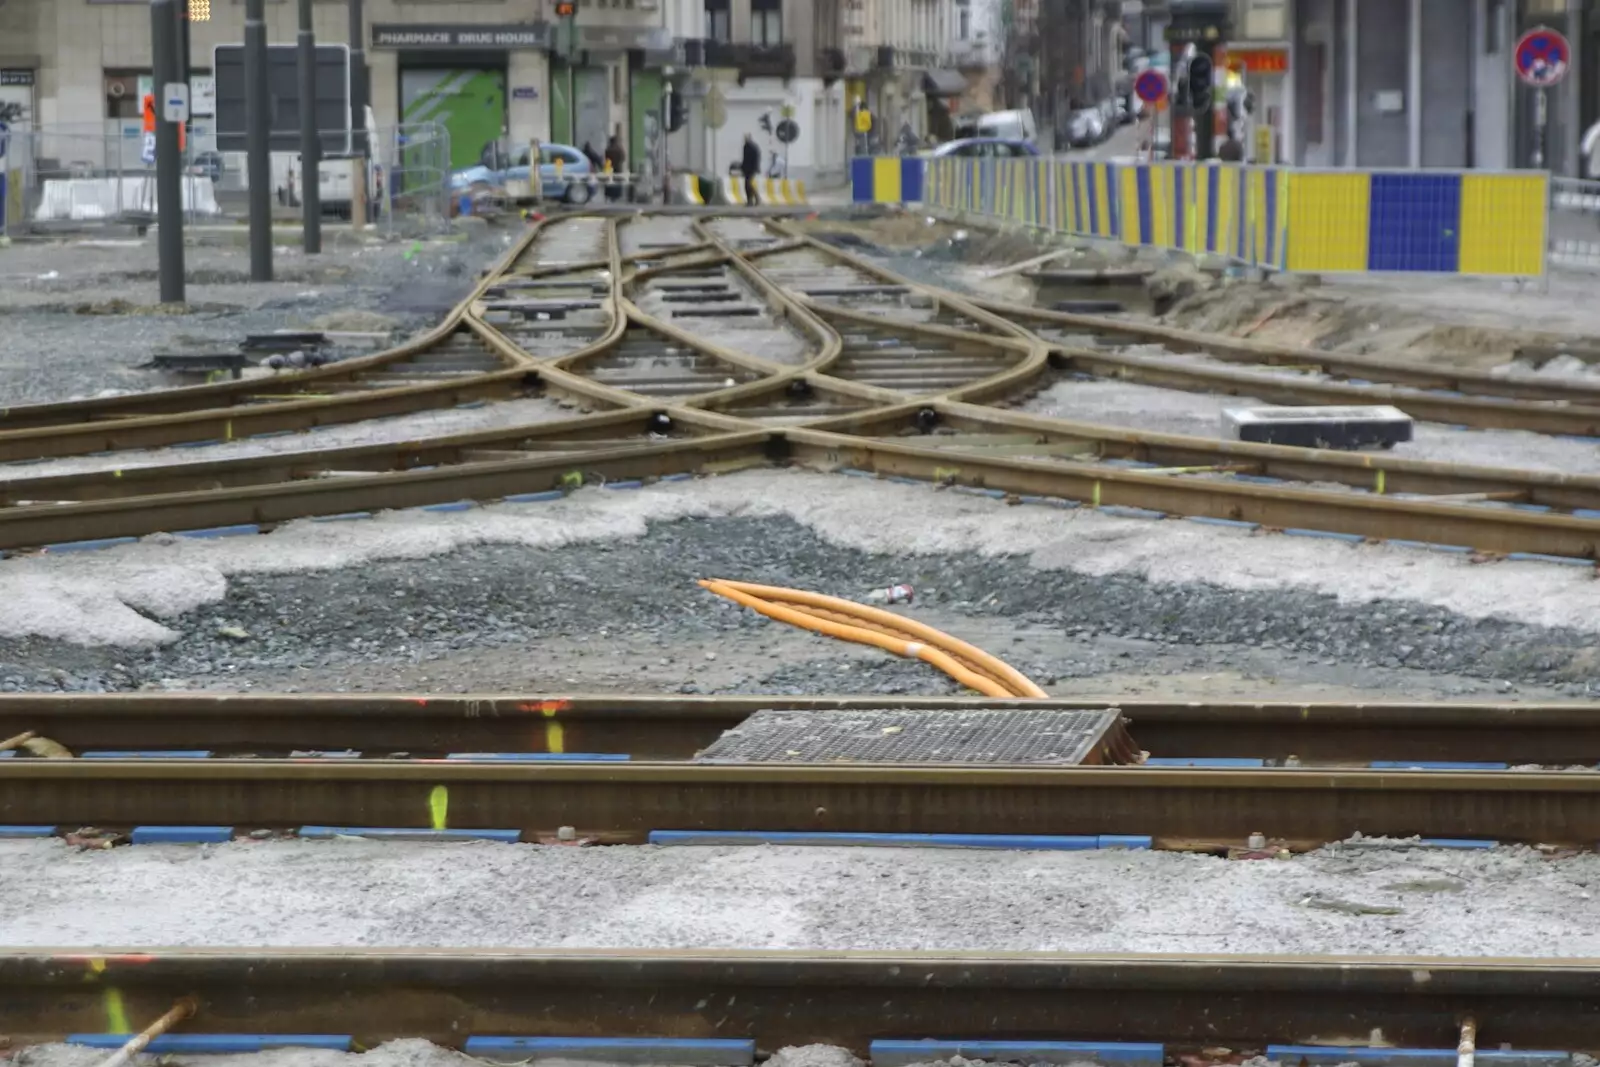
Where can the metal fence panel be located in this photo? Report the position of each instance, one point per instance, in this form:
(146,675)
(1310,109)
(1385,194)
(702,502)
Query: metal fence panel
(88,175)
(1574,221)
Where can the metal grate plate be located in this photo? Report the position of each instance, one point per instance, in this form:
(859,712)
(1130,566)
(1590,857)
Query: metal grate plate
(893,735)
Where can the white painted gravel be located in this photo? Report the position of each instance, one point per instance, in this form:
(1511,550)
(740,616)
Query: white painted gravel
(413,427)
(1149,407)
(116,596)
(1508,902)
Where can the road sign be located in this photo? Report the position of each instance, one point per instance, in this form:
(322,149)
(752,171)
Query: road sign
(175,102)
(788,131)
(1542,57)
(716,109)
(863,121)
(1150,85)
(283,88)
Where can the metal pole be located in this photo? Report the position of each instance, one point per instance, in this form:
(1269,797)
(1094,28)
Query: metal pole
(169,161)
(310,154)
(181,12)
(259,163)
(358,77)
(1541,123)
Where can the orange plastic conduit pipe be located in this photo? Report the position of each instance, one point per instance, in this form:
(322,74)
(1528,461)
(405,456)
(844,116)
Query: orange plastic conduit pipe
(1018,682)
(910,649)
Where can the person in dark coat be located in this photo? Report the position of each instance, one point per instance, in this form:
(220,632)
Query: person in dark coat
(594,158)
(750,166)
(618,159)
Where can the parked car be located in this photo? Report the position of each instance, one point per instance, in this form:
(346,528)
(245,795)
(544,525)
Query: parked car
(1008,126)
(573,183)
(984,148)
(1085,127)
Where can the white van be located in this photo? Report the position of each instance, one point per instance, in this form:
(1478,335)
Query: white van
(1008,126)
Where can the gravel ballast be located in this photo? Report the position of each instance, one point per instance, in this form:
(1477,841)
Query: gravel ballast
(604,566)
(78,318)
(1342,900)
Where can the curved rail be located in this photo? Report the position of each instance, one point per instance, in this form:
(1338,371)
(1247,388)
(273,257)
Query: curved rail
(857,400)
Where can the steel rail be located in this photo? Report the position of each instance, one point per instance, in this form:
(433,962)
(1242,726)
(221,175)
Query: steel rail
(797,998)
(1488,401)
(1338,365)
(625,801)
(232,410)
(676,727)
(728,441)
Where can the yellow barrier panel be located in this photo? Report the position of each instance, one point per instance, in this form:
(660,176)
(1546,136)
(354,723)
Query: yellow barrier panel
(1327,218)
(1500,216)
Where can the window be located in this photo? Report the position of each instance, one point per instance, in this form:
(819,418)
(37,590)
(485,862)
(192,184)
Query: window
(766,23)
(965,23)
(719,21)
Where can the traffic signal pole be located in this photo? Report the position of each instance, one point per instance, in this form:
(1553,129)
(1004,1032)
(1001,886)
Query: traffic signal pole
(310,145)
(169,157)
(258,166)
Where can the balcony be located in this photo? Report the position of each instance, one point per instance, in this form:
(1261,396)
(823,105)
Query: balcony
(752,60)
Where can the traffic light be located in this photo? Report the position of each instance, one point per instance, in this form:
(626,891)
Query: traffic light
(1200,103)
(677,112)
(766,122)
(1200,82)
(566,9)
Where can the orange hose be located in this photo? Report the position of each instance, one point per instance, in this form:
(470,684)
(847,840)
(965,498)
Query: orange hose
(908,649)
(1018,682)
(867,624)
(900,646)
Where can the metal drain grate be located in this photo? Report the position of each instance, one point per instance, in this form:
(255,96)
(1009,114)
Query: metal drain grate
(893,735)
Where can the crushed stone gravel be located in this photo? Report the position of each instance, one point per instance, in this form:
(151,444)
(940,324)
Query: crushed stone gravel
(402,587)
(79,318)
(1342,900)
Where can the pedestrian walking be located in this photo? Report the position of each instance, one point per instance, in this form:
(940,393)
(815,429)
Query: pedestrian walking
(617,160)
(750,166)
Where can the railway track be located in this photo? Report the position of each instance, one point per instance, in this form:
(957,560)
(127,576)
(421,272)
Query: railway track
(850,999)
(1301,774)
(676,728)
(837,363)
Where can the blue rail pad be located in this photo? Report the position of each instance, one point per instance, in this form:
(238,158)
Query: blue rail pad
(686,1052)
(1433,765)
(1412,1057)
(542,757)
(1124,1054)
(153,753)
(410,833)
(218,1044)
(181,835)
(26,831)
(1028,842)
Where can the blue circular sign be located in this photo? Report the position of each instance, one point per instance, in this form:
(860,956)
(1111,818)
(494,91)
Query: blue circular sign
(1542,57)
(1150,85)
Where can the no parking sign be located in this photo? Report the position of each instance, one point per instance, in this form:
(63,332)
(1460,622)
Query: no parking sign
(1150,86)
(1543,57)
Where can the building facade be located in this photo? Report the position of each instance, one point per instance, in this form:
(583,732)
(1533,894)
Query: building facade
(1417,83)
(507,71)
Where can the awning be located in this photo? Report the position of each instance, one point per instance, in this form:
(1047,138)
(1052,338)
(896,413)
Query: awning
(943,83)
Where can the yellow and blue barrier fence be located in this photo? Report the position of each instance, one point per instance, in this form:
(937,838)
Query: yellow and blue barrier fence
(1439,222)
